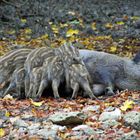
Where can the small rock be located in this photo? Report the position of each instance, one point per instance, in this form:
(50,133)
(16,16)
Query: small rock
(110,108)
(32,129)
(48,134)
(58,127)
(113,115)
(94,108)
(22,130)
(132,119)
(20,123)
(109,123)
(67,118)
(85,128)
(55,127)
(130,136)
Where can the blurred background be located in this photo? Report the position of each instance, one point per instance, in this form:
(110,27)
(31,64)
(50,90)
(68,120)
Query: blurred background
(105,25)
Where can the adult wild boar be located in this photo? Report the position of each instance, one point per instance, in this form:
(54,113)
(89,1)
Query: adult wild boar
(111,71)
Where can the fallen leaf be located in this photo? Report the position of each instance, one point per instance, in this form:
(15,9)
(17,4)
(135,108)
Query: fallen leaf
(120,23)
(55,29)
(2,132)
(28,31)
(71,32)
(109,25)
(45,36)
(113,49)
(135,17)
(23,20)
(7,114)
(74,22)
(37,104)
(127,105)
(93,26)
(8,97)
(11,32)
(63,25)
(71,13)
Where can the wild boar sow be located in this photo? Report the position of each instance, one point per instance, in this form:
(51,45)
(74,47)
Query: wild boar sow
(112,71)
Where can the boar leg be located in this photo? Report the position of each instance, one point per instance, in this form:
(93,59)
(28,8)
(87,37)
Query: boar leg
(43,85)
(34,89)
(18,90)
(11,86)
(27,83)
(29,94)
(75,90)
(55,85)
(88,91)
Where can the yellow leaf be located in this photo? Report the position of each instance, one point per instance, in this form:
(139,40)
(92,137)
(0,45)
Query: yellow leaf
(7,114)
(2,132)
(107,104)
(113,49)
(71,32)
(11,32)
(23,20)
(55,29)
(127,105)
(28,31)
(7,97)
(120,23)
(63,25)
(45,36)
(109,25)
(93,25)
(135,17)
(38,104)
(71,13)
(102,37)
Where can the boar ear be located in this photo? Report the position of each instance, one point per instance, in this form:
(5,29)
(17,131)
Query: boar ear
(75,50)
(70,47)
(63,50)
(66,48)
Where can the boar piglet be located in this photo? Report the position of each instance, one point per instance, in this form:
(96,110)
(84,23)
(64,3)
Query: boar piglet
(17,82)
(52,73)
(10,61)
(35,82)
(35,59)
(79,78)
(70,55)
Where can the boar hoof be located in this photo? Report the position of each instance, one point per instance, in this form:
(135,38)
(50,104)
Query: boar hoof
(56,96)
(109,92)
(36,99)
(72,98)
(20,97)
